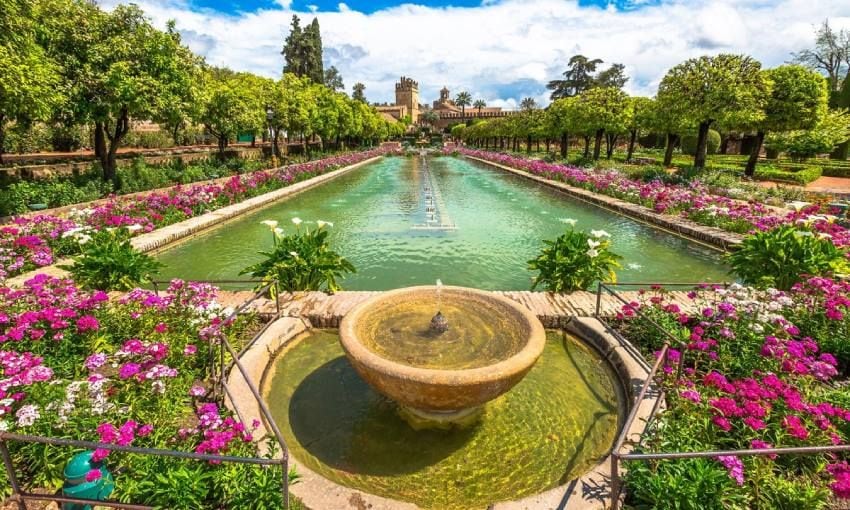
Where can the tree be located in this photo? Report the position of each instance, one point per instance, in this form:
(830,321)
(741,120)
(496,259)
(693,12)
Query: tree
(463,99)
(358,92)
(668,117)
(183,103)
(830,54)
(333,80)
(119,68)
(528,103)
(293,49)
(798,100)
(430,117)
(479,105)
(601,110)
(312,47)
(29,79)
(579,77)
(727,89)
(560,121)
(842,100)
(640,118)
(832,129)
(229,105)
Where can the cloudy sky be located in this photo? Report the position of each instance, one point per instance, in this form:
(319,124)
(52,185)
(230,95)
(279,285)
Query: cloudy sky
(498,50)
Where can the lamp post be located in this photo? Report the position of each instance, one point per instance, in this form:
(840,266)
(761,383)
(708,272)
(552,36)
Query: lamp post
(269,118)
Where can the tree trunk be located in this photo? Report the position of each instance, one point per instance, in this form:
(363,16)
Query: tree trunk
(631,150)
(597,144)
(2,135)
(538,144)
(724,144)
(175,134)
(99,140)
(108,161)
(548,144)
(528,145)
(611,142)
(565,144)
(586,146)
(754,155)
(702,145)
(668,153)
(841,150)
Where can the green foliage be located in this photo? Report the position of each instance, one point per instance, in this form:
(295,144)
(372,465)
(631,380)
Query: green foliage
(798,99)
(302,51)
(15,198)
(301,261)
(686,484)
(109,262)
(799,177)
(574,261)
(780,257)
(689,143)
(832,129)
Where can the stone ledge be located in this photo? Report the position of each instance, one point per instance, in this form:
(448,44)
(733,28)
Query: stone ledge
(716,237)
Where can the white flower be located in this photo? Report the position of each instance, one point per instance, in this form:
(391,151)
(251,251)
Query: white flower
(294,254)
(599,233)
(322,224)
(296,221)
(592,243)
(797,204)
(269,223)
(592,253)
(278,231)
(83,239)
(568,221)
(27,415)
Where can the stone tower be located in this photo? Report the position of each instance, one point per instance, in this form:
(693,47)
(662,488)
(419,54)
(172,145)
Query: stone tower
(407,95)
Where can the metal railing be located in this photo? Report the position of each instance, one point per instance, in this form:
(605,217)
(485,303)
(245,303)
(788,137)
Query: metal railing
(218,372)
(617,455)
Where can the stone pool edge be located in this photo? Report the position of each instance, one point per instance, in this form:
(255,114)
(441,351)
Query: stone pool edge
(166,236)
(715,237)
(590,491)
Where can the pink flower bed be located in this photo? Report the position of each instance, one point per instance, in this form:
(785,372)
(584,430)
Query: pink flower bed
(757,373)
(694,201)
(33,242)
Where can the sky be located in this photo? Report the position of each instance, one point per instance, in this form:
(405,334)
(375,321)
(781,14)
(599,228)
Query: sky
(497,50)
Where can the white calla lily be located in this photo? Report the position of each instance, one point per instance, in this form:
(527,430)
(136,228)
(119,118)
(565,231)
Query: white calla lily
(269,223)
(592,243)
(599,233)
(296,221)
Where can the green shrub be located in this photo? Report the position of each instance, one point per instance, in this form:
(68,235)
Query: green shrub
(781,257)
(574,261)
(109,262)
(148,139)
(801,177)
(15,198)
(689,143)
(302,260)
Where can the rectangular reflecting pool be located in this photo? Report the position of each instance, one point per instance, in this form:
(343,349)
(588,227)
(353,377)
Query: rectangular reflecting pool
(402,222)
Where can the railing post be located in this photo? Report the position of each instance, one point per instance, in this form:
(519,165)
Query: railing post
(598,298)
(13,479)
(277,297)
(615,481)
(285,481)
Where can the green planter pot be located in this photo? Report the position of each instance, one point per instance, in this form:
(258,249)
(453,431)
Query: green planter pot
(37,207)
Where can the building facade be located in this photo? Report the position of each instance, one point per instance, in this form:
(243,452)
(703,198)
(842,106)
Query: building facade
(447,112)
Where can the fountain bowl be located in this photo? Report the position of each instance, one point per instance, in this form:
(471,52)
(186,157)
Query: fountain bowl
(509,336)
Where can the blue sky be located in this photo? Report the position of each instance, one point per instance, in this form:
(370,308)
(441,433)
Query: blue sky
(370,6)
(497,50)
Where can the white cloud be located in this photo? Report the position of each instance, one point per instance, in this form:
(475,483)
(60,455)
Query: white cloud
(505,50)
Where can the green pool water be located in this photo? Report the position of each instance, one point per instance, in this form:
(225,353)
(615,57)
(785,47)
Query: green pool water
(553,426)
(379,212)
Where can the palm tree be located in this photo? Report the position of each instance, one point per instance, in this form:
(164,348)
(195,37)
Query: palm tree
(528,103)
(463,99)
(479,104)
(431,117)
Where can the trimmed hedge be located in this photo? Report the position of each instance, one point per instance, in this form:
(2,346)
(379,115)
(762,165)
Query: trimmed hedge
(800,177)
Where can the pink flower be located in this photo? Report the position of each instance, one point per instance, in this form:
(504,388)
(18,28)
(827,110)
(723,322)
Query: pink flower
(95,361)
(734,467)
(190,350)
(87,323)
(93,475)
(128,370)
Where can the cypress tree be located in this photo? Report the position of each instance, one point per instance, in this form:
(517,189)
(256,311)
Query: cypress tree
(313,66)
(292,52)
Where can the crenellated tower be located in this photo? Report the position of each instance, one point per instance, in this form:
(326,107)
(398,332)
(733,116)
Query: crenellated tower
(407,95)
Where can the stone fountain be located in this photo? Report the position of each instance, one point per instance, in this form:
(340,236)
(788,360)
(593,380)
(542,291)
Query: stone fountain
(441,352)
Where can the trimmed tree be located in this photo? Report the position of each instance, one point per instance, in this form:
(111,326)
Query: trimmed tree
(601,110)
(640,118)
(727,89)
(798,100)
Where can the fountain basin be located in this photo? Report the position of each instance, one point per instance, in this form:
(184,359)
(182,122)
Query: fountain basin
(490,345)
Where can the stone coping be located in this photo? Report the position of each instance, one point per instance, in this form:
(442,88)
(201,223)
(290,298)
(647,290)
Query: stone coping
(162,237)
(715,237)
(590,491)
